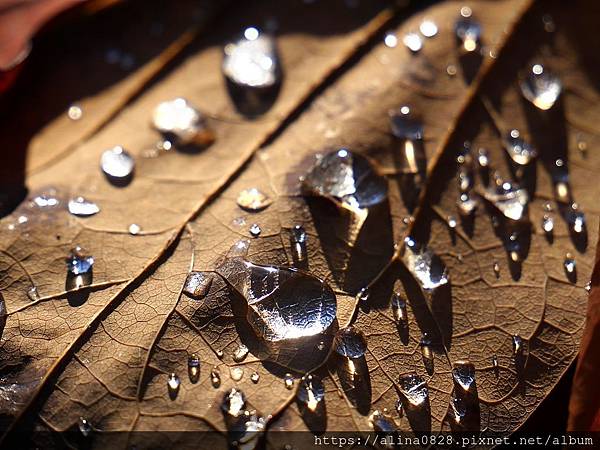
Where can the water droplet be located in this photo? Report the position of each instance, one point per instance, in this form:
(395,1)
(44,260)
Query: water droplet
(321,346)
(197,284)
(253,199)
(351,343)
(452,222)
(414,388)
(173,384)
(463,374)
(588,286)
(219,353)
(194,368)
(548,223)
(363,294)
(178,120)
(413,42)
(496,268)
(569,263)
(399,309)
(390,40)
(255,230)
(252,60)
(468,31)
(466,204)
(75,112)
(426,266)
(234,403)
(513,247)
(451,70)
(85,427)
(428,28)
(495,362)
(33,294)
(426,349)
(381,423)
(79,206)
(346,177)
(298,243)
(255,377)
(399,408)
(465,182)
(549,24)
(215,377)
(311,391)
(236,373)
(520,152)
(483,158)
(540,87)
(576,218)
(240,353)
(134,229)
(404,125)
(581,144)
(78,263)
(45,200)
(117,164)
(288,380)
(510,201)
(282,303)
(517,345)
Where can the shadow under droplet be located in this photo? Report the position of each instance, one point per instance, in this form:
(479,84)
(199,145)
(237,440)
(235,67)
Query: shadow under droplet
(470,63)
(253,101)
(74,284)
(419,417)
(316,420)
(120,182)
(356,382)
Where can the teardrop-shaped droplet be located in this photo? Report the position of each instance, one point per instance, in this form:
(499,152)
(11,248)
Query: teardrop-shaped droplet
(540,87)
(517,343)
(197,284)
(252,60)
(240,353)
(428,28)
(282,303)
(510,201)
(426,266)
(215,377)
(173,384)
(236,373)
(466,204)
(465,181)
(288,381)
(33,294)
(117,164)
(81,207)
(255,377)
(413,42)
(253,199)
(513,246)
(85,427)
(298,244)
(311,391)
(576,218)
(347,178)
(463,374)
(399,309)
(234,402)
(569,264)
(414,388)
(483,158)
(547,223)
(178,120)
(452,222)
(350,342)
(78,263)
(381,423)
(404,125)
(255,230)
(468,30)
(521,152)
(193,368)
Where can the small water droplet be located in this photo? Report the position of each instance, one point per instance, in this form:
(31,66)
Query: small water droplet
(517,342)
(399,309)
(197,284)
(428,28)
(194,368)
(414,389)
(521,152)
(298,243)
(509,200)
(236,373)
(173,384)
(483,158)
(363,294)
(78,263)
(311,391)
(404,125)
(496,268)
(215,377)
(46,200)
(252,60)
(233,403)
(452,222)
(468,31)
(466,204)
(548,223)
(381,423)
(219,353)
(351,342)
(81,207)
(413,42)
(569,263)
(321,346)
(495,362)
(255,230)
(451,70)
(390,40)
(463,374)
(75,112)
(288,381)
(240,353)
(399,408)
(425,265)
(253,199)
(459,408)
(117,164)
(134,229)
(513,247)
(85,427)
(255,377)
(576,218)
(581,144)
(540,87)
(178,120)
(465,181)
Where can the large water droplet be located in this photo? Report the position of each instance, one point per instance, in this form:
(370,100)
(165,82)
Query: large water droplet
(463,374)
(311,392)
(426,266)
(252,60)
(85,427)
(117,164)
(79,206)
(508,200)
(194,368)
(520,152)
(282,303)
(351,343)
(78,263)
(414,389)
(347,178)
(181,122)
(197,284)
(253,199)
(540,87)
(468,30)
(547,223)
(240,353)
(234,403)
(173,384)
